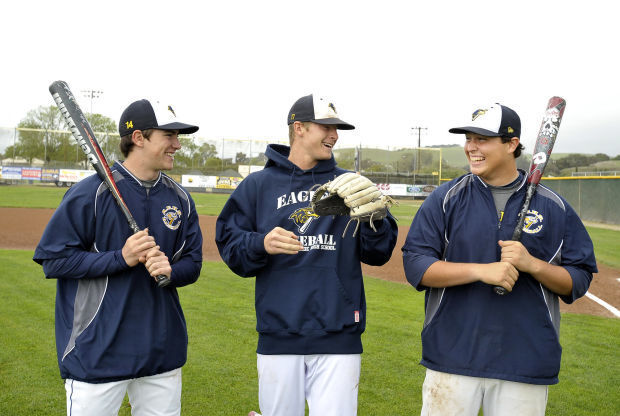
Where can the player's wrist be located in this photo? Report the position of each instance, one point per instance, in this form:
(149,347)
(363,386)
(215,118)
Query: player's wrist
(534,266)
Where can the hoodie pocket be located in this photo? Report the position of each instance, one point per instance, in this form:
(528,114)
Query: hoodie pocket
(299,300)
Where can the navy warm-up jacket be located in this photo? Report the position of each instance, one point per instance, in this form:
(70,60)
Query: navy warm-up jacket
(112,321)
(468,329)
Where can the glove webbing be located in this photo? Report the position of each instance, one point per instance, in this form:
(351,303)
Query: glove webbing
(357,226)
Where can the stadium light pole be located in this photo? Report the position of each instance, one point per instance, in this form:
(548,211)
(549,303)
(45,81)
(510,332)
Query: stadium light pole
(92,94)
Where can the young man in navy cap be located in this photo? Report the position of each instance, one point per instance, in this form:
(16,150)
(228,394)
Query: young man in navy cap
(310,304)
(117,332)
(481,349)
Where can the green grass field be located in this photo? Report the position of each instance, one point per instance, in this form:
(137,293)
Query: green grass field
(220,375)
(606,245)
(30,196)
(606,242)
(206,204)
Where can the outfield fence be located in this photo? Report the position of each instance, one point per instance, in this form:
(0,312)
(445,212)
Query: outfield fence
(43,148)
(44,155)
(595,198)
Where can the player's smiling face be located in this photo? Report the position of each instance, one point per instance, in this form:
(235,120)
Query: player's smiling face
(318,141)
(312,143)
(490,158)
(161,147)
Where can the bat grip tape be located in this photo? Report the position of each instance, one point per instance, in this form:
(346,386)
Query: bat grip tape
(516,235)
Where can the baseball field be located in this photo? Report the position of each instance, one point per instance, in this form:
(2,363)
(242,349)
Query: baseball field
(220,374)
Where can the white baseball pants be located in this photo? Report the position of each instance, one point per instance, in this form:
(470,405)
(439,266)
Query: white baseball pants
(451,394)
(158,395)
(329,382)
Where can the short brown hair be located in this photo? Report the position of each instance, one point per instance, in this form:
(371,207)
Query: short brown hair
(126,143)
(291,131)
(520,147)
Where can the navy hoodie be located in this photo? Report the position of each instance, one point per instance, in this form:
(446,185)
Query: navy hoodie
(311,302)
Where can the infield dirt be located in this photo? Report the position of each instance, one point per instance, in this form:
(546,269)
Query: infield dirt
(22,229)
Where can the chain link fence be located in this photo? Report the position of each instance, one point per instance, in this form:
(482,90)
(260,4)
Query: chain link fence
(594,199)
(57,149)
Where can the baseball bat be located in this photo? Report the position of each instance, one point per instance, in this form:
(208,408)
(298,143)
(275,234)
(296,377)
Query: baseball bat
(542,152)
(83,134)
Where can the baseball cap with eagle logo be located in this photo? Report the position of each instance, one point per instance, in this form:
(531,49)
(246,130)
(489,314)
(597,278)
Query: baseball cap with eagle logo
(494,120)
(317,110)
(142,115)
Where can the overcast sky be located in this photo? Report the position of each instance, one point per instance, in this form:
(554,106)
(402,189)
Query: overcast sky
(236,67)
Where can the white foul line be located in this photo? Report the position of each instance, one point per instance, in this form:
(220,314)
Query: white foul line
(604,304)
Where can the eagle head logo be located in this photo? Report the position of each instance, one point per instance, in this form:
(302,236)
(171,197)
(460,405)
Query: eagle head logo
(302,217)
(477,114)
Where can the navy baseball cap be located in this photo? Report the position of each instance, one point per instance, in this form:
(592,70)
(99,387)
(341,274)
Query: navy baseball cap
(141,115)
(317,110)
(494,120)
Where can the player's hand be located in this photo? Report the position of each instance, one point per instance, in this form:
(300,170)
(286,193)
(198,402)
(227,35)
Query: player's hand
(281,241)
(136,246)
(157,263)
(516,254)
(500,273)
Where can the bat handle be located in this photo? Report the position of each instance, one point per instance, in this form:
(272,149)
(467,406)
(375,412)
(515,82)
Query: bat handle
(499,290)
(516,235)
(162,281)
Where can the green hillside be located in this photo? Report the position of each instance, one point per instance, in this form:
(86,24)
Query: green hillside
(454,156)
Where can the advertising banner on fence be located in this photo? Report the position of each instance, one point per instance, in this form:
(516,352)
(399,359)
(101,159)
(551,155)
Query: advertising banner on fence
(11,172)
(31,174)
(393,189)
(420,190)
(231,182)
(73,175)
(227,182)
(198,181)
(403,189)
(49,175)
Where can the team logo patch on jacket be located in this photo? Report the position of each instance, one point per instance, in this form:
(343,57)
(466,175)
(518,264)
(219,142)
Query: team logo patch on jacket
(172,217)
(533,222)
(302,217)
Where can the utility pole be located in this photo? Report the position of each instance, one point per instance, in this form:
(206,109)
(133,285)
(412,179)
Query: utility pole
(417,159)
(222,154)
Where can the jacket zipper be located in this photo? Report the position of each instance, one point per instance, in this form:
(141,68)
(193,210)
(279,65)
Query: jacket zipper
(148,209)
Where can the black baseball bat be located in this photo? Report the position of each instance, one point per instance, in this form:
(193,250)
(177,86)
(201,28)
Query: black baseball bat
(542,152)
(83,134)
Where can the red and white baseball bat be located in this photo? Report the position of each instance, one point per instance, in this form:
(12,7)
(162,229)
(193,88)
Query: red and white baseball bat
(542,152)
(83,134)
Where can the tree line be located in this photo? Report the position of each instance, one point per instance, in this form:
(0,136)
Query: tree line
(42,135)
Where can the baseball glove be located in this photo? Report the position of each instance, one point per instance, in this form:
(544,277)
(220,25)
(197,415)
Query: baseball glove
(353,195)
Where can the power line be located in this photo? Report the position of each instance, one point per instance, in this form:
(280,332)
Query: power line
(419,129)
(417,158)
